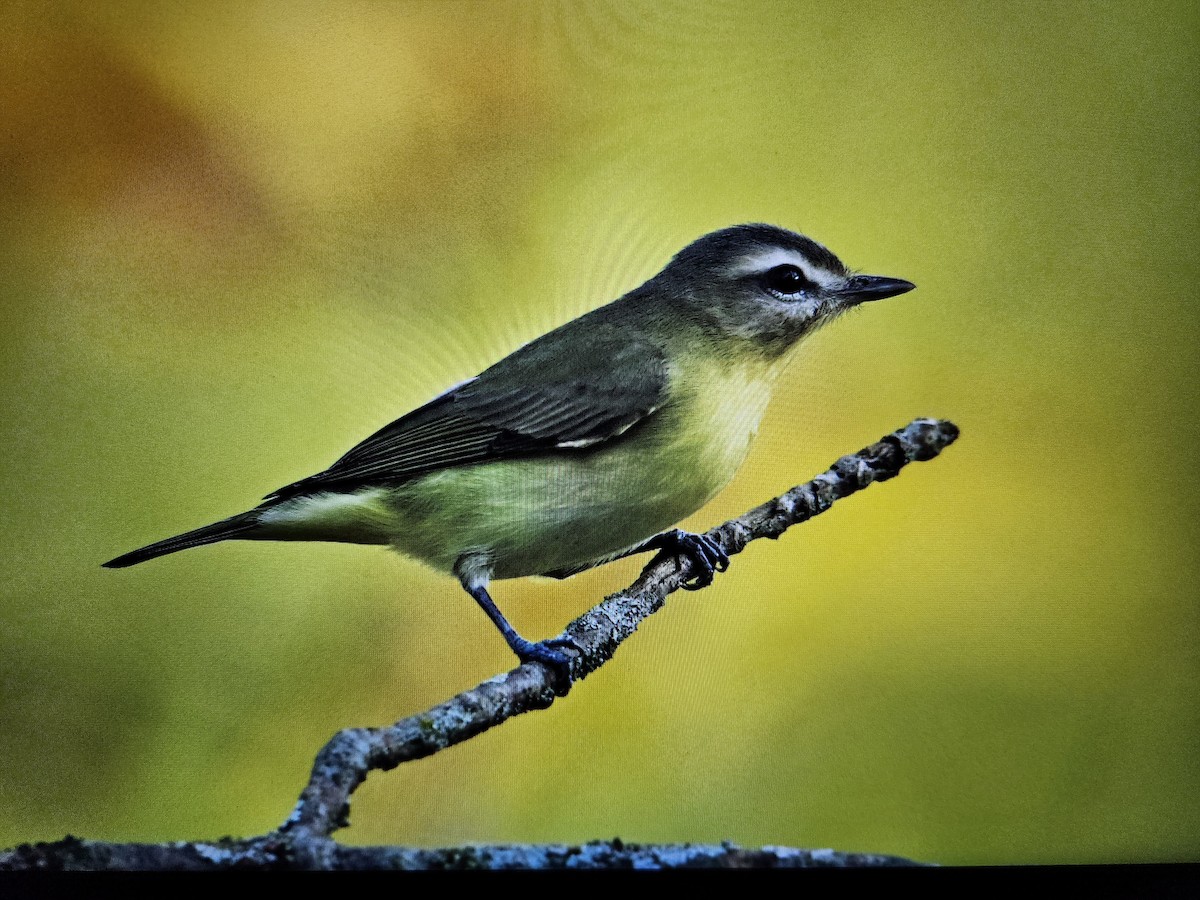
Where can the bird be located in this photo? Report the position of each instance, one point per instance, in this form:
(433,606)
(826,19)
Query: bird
(587,444)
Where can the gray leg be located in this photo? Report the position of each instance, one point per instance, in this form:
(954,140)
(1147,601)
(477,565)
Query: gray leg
(545,652)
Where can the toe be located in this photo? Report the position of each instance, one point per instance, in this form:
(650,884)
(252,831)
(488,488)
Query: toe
(706,555)
(703,575)
(555,660)
(718,557)
(545,654)
(713,552)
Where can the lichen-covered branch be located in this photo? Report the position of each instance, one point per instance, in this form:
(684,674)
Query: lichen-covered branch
(272,852)
(303,841)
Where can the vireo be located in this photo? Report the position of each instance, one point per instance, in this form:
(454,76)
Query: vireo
(586,443)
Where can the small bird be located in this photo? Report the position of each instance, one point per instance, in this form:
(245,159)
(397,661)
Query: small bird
(587,444)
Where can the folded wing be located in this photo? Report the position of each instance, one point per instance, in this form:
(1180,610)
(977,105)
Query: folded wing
(565,391)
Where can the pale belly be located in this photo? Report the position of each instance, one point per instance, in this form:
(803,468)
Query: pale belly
(538,515)
(562,511)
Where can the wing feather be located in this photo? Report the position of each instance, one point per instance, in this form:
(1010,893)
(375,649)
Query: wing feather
(554,393)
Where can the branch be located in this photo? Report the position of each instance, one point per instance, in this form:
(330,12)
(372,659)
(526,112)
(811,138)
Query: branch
(270,852)
(344,763)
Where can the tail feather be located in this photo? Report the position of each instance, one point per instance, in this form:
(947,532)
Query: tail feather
(233,527)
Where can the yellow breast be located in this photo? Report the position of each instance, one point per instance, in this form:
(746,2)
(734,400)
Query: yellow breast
(721,407)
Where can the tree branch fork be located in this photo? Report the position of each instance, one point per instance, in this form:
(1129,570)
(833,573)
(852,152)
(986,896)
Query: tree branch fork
(305,840)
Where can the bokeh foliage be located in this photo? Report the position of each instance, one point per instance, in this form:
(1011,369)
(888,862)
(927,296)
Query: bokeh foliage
(235,238)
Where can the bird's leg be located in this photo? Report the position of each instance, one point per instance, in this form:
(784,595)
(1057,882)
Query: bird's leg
(545,652)
(707,555)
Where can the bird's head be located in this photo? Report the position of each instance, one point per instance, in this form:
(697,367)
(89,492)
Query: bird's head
(768,285)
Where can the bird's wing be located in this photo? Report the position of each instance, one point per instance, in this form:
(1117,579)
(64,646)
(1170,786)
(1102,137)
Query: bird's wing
(538,399)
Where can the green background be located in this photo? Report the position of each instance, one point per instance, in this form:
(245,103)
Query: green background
(235,239)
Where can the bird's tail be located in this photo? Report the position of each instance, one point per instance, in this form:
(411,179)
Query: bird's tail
(231,528)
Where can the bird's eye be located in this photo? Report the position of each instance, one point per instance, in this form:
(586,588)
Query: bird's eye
(786,281)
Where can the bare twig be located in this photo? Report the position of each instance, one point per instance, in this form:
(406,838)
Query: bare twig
(344,763)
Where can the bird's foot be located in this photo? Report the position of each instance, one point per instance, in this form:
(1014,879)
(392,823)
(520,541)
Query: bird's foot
(548,653)
(706,555)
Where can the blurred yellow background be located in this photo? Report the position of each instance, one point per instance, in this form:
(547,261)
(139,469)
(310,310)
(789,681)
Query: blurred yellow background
(237,238)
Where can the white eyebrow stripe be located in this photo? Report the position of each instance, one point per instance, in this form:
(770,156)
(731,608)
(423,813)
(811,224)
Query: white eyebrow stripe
(767,259)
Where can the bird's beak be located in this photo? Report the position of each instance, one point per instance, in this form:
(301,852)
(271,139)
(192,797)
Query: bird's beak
(862,288)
